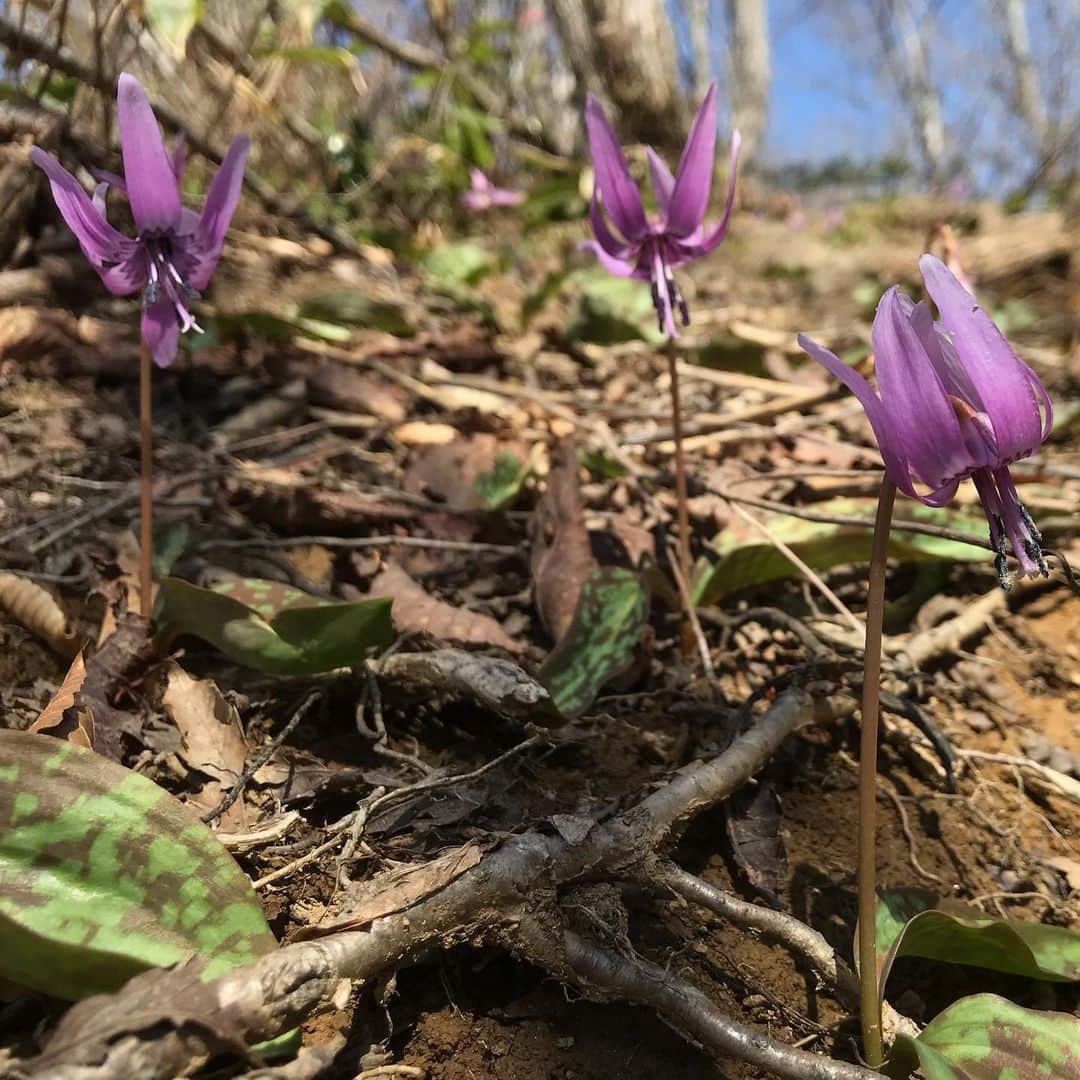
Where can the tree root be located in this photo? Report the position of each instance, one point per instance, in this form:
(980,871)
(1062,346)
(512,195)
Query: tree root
(164,1023)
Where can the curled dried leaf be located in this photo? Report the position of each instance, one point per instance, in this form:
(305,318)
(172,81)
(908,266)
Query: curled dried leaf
(60,718)
(38,611)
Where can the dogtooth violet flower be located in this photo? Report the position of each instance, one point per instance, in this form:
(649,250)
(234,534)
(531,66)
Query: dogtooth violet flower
(483,194)
(955,401)
(650,248)
(175,250)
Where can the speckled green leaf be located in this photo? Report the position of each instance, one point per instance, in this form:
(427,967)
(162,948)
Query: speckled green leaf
(910,923)
(267,598)
(987,1037)
(501,483)
(599,643)
(104,874)
(746,557)
(295,641)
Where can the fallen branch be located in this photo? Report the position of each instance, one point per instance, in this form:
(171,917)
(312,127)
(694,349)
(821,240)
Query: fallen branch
(163,1023)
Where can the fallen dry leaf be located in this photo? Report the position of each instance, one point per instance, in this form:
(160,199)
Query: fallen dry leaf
(213,743)
(59,718)
(562,558)
(449,471)
(345,389)
(423,433)
(38,611)
(416,610)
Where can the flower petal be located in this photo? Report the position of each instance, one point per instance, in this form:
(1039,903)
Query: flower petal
(880,421)
(161,331)
(151,183)
(693,177)
(100,242)
(605,237)
(1009,389)
(915,398)
(713,237)
(663,183)
(617,188)
(611,263)
(217,212)
(126,277)
(178,158)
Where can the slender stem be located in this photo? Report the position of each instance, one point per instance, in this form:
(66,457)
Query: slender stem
(869,1001)
(146,485)
(680,463)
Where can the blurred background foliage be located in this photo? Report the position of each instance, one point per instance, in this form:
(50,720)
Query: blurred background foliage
(368,117)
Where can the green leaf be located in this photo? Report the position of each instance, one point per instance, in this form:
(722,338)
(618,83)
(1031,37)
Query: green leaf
(747,557)
(170,542)
(600,641)
(173,20)
(103,874)
(611,310)
(347,307)
(909,923)
(986,1037)
(459,264)
(500,485)
(295,641)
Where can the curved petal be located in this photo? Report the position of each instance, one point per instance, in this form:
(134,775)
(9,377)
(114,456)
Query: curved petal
(151,183)
(662,181)
(912,393)
(1003,381)
(605,237)
(127,277)
(612,264)
(178,157)
(941,352)
(224,193)
(617,188)
(891,452)
(693,177)
(161,331)
(717,233)
(100,242)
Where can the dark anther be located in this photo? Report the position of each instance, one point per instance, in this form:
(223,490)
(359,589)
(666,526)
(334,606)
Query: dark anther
(1002,568)
(150,294)
(1031,526)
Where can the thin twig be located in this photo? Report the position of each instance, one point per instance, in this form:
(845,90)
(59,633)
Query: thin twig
(366,542)
(262,757)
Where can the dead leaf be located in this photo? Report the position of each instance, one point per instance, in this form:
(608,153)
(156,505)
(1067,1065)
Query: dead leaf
(396,890)
(299,507)
(449,471)
(345,389)
(113,675)
(38,611)
(753,820)
(60,718)
(261,415)
(416,610)
(213,743)
(562,558)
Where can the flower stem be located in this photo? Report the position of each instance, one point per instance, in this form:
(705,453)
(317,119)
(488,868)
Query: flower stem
(680,464)
(869,1000)
(146,486)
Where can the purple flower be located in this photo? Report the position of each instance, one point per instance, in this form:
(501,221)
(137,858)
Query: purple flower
(649,250)
(955,401)
(483,194)
(175,251)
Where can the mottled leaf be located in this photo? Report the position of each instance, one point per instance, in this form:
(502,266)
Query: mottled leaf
(600,640)
(296,641)
(104,874)
(753,819)
(501,483)
(746,557)
(986,1037)
(910,922)
(465,263)
(611,310)
(349,307)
